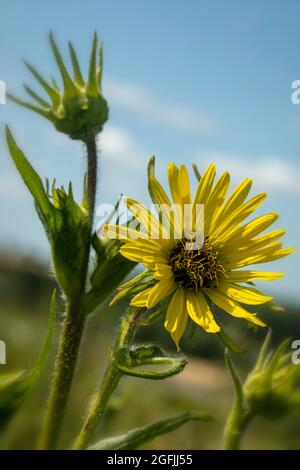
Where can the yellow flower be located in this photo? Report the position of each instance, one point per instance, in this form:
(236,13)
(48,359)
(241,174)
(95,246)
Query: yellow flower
(192,279)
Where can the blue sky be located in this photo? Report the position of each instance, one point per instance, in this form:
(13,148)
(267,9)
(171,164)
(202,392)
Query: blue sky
(187,81)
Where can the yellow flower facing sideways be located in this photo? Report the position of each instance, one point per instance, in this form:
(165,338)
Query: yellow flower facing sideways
(189,279)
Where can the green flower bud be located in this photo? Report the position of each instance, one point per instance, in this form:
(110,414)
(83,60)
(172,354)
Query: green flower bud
(79,110)
(67,223)
(69,231)
(270,389)
(110,270)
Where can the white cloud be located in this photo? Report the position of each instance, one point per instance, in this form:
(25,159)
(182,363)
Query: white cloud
(142,101)
(269,172)
(118,145)
(124,163)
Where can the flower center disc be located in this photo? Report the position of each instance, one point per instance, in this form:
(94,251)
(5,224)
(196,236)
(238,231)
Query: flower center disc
(195,268)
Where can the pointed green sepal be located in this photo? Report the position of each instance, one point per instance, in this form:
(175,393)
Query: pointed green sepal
(75,64)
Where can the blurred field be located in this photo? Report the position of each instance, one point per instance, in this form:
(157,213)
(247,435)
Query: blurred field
(25,291)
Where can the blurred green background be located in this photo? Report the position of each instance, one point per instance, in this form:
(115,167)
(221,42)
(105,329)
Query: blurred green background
(25,290)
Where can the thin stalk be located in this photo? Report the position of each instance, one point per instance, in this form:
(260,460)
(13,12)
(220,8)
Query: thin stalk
(109,383)
(237,423)
(72,329)
(92,175)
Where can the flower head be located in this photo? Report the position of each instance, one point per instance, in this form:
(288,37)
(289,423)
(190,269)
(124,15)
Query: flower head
(195,258)
(271,389)
(78,110)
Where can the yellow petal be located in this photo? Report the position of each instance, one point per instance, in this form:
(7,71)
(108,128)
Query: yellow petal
(263,256)
(137,252)
(161,290)
(246,276)
(200,312)
(235,200)
(274,256)
(162,270)
(173,182)
(215,200)
(205,185)
(150,223)
(245,295)
(235,257)
(121,232)
(232,307)
(163,203)
(177,316)
(240,235)
(184,185)
(140,300)
(236,217)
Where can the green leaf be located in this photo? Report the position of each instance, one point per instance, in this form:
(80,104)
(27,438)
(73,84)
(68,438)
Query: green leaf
(41,362)
(15,386)
(137,437)
(29,175)
(129,360)
(229,342)
(235,378)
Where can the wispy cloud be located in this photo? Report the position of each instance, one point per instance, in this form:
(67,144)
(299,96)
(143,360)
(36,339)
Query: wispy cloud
(124,163)
(269,172)
(142,101)
(119,145)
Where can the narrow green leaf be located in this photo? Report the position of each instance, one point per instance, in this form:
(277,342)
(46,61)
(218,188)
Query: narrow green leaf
(41,362)
(229,342)
(15,386)
(235,378)
(137,437)
(29,175)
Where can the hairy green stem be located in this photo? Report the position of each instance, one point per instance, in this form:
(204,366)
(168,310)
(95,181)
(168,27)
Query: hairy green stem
(63,374)
(109,383)
(92,175)
(236,424)
(72,330)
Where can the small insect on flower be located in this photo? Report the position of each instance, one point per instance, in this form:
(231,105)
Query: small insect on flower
(191,279)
